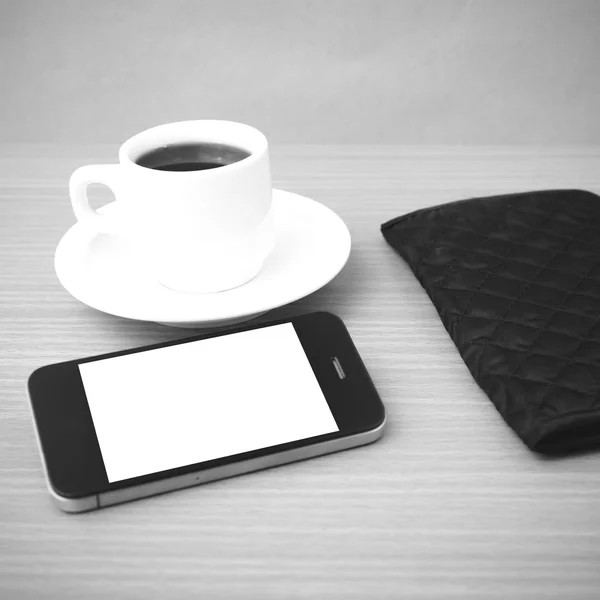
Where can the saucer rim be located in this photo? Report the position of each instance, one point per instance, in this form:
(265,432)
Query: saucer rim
(198,319)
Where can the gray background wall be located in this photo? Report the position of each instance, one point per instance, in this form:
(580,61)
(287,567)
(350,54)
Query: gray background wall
(323,71)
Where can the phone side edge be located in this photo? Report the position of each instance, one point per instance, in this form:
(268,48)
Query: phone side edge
(112,498)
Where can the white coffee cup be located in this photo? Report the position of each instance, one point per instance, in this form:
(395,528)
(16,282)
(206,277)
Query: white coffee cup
(198,231)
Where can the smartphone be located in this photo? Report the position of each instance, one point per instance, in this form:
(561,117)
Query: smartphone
(131,424)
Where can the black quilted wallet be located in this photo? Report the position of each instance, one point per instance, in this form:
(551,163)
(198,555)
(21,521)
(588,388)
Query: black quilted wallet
(516,282)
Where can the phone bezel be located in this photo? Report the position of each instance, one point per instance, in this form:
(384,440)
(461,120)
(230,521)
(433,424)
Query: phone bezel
(68,440)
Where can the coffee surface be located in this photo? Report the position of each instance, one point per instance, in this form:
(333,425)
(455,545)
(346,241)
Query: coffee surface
(197,156)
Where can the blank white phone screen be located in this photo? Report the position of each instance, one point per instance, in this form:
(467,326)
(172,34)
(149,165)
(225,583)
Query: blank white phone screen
(175,406)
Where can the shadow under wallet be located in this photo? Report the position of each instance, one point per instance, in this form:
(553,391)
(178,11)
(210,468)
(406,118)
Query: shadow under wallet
(516,282)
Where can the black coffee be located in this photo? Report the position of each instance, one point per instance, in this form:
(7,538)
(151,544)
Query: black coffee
(196,156)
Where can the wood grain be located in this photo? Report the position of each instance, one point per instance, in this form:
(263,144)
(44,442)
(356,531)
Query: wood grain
(449,504)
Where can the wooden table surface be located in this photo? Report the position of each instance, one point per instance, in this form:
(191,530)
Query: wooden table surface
(449,504)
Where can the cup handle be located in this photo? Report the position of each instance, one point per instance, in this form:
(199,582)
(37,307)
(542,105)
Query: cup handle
(81,178)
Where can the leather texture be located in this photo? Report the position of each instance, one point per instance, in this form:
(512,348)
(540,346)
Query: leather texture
(516,282)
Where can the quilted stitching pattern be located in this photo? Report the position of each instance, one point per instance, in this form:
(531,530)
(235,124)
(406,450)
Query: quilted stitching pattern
(516,282)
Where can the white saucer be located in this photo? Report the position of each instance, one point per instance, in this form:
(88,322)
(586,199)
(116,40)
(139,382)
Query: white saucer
(102,271)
